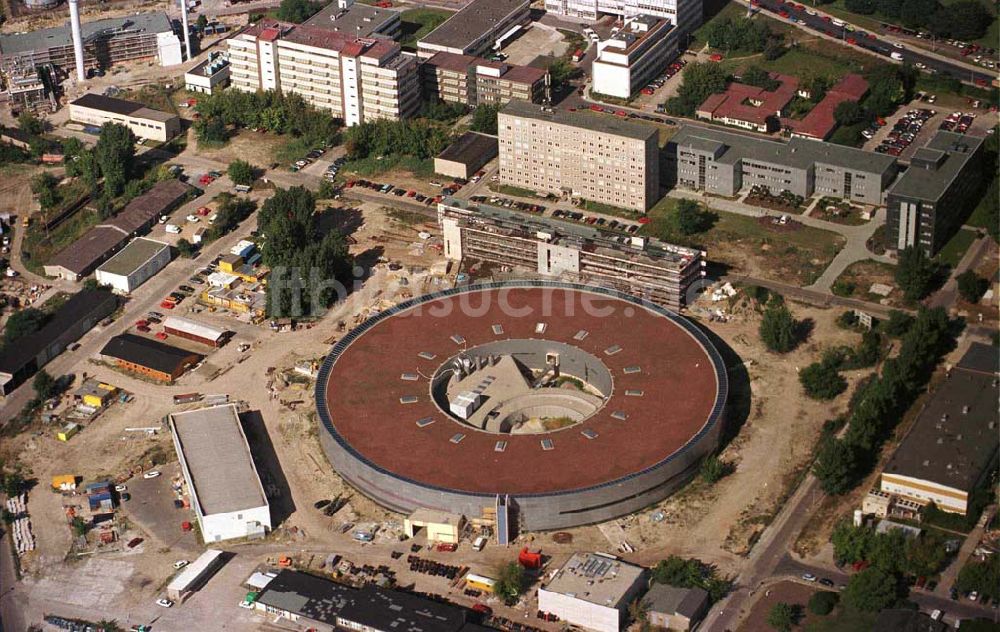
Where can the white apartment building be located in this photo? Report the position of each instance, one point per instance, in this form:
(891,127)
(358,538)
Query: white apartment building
(356,79)
(634,56)
(599,158)
(686,14)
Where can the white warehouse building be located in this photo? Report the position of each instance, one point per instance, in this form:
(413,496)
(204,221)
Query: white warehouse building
(226,493)
(593,591)
(137,263)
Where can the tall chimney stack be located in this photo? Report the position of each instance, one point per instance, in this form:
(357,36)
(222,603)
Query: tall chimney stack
(184,24)
(74,22)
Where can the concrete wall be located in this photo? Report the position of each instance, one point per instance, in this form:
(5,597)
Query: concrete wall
(232,525)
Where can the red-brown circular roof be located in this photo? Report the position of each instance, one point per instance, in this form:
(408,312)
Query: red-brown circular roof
(677,379)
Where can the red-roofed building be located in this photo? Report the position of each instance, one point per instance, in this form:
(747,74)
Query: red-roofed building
(473,80)
(819,123)
(355,79)
(750,107)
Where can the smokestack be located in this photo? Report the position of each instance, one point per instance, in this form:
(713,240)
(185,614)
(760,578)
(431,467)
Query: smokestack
(187,31)
(74,22)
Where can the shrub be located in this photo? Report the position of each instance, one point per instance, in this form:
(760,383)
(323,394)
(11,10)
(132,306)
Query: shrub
(823,602)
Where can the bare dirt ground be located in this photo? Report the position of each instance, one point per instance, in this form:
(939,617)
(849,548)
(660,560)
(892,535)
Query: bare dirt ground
(718,523)
(858,278)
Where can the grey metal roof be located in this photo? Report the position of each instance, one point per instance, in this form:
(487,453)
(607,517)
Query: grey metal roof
(799,153)
(132,256)
(466,26)
(360,20)
(582,118)
(218,458)
(923,182)
(43,39)
(688,602)
(946,445)
(982,358)
(470,148)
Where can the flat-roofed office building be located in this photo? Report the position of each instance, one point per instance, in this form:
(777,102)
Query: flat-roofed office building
(634,56)
(97,109)
(482,26)
(599,158)
(930,200)
(725,163)
(686,14)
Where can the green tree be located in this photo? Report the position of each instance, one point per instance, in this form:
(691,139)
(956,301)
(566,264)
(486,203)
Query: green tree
(689,218)
(45,187)
(848,113)
(836,465)
(822,380)
(925,555)
(30,124)
(871,590)
(898,324)
(983,577)
(241,172)
(714,469)
(700,80)
(915,273)
(185,248)
(201,22)
(13,483)
(757,76)
(79,526)
(45,385)
(777,328)
(211,129)
(484,119)
(510,582)
(115,156)
(296,11)
(561,72)
(23,322)
(971,286)
(781,617)
(691,573)
(823,602)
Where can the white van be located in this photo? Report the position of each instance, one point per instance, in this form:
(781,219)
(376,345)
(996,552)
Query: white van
(896,56)
(173,229)
(479,544)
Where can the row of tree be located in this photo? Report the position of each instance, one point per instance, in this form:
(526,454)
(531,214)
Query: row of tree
(419,138)
(891,551)
(964,20)
(879,404)
(744,35)
(280,113)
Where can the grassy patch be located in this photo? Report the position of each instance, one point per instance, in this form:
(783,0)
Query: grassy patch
(38,248)
(956,247)
(843,620)
(980,215)
(372,166)
(509,189)
(607,209)
(792,254)
(856,280)
(407,218)
(419,22)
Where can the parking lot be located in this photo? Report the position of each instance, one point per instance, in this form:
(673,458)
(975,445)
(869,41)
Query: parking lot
(152,508)
(912,126)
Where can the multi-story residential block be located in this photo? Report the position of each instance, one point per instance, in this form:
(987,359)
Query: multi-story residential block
(482,26)
(473,80)
(930,199)
(724,163)
(580,154)
(636,265)
(358,20)
(635,55)
(686,14)
(356,79)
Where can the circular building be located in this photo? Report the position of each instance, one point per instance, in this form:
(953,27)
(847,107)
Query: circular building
(569,404)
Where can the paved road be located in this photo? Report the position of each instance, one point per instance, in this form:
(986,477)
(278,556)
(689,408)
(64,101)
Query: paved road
(816,21)
(946,296)
(789,568)
(950,574)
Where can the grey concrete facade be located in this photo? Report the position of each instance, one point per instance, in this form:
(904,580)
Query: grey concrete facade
(535,512)
(929,201)
(725,163)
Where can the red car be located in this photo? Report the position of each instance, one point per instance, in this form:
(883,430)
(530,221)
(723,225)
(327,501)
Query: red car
(447,547)
(647,91)
(596,108)
(143,328)
(411,193)
(621,113)
(203,211)
(142,322)
(852,41)
(718,57)
(168,304)
(482,609)
(205,180)
(161,335)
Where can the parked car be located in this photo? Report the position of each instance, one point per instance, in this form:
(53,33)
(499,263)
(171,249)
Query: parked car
(151,474)
(166,603)
(180,564)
